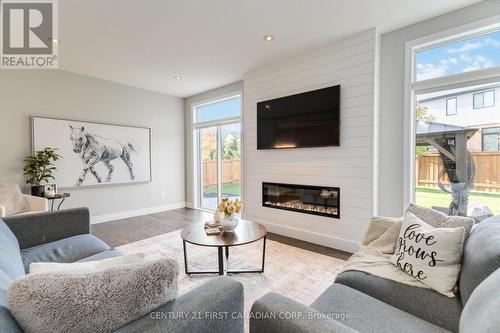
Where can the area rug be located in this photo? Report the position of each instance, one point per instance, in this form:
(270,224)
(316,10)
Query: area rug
(294,272)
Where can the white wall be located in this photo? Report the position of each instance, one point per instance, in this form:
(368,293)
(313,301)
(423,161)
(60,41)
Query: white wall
(352,64)
(466,114)
(188,104)
(392,70)
(60,94)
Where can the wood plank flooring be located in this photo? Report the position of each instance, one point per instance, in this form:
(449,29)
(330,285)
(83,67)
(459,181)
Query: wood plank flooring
(133,229)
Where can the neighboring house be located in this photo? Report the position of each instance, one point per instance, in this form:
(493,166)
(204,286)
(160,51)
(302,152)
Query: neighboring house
(477,108)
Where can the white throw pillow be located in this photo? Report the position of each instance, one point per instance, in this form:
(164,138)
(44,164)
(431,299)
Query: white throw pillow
(90,266)
(431,255)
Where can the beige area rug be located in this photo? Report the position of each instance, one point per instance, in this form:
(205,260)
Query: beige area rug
(297,273)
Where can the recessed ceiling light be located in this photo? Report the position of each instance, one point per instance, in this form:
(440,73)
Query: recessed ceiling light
(177,77)
(54,40)
(268,38)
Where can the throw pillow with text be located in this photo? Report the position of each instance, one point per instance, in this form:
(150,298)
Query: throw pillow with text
(431,255)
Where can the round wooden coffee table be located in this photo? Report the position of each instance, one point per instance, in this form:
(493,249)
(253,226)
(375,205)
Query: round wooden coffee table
(246,232)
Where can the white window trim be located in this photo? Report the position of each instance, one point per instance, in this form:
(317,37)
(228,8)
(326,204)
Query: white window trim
(195,140)
(483,92)
(456,106)
(218,99)
(412,87)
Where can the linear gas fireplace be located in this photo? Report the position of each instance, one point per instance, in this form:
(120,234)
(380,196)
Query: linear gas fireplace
(317,200)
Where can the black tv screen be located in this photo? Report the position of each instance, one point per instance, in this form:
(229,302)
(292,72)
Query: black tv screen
(310,119)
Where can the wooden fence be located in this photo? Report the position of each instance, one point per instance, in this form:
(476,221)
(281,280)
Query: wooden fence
(231,172)
(487,176)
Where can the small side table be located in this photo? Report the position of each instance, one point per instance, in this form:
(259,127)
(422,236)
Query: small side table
(55,197)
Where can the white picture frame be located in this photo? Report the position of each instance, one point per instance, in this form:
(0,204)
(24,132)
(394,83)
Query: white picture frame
(94,153)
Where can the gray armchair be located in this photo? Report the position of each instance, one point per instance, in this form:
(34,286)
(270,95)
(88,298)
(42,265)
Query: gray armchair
(64,236)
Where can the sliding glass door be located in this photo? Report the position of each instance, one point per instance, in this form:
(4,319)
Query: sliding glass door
(208,167)
(231,161)
(218,150)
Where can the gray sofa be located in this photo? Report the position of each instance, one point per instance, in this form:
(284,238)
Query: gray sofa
(64,236)
(361,302)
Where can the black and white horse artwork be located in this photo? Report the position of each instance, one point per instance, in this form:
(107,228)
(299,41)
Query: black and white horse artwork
(93,149)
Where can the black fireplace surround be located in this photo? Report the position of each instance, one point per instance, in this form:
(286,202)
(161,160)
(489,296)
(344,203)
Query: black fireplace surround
(308,199)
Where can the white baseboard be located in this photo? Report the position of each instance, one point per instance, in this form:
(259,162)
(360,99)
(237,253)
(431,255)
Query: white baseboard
(135,212)
(312,237)
(189,205)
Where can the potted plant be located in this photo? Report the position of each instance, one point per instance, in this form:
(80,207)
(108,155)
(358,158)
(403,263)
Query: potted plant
(229,208)
(38,168)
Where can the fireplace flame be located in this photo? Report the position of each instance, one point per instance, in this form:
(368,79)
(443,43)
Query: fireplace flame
(305,207)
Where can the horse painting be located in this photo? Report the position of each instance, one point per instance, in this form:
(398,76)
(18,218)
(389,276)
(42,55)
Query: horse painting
(93,149)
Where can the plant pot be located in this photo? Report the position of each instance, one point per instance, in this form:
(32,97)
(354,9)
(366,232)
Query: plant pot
(38,191)
(229,222)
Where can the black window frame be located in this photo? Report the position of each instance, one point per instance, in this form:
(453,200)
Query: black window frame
(483,134)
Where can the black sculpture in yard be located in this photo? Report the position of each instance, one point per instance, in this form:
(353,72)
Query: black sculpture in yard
(460,185)
(451,143)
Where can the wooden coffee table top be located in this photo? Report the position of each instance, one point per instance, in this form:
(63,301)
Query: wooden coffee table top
(246,232)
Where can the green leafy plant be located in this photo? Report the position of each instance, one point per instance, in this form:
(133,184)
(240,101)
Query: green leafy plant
(39,167)
(231,148)
(422,114)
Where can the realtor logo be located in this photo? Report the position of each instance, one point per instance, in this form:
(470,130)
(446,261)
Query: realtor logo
(29,29)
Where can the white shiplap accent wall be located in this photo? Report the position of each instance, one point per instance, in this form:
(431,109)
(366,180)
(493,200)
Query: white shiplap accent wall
(352,63)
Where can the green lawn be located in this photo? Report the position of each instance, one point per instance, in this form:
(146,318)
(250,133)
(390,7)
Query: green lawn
(429,197)
(227,189)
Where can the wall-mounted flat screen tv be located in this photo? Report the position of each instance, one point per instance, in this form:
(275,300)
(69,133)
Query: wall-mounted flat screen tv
(310,119)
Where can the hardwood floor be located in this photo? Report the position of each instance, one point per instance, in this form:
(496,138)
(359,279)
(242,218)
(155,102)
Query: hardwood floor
(328,251)
(133,229)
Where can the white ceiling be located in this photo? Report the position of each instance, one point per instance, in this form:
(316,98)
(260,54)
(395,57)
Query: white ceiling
(145,43)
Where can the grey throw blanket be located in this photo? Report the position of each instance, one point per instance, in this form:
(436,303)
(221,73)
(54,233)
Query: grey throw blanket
(377,247)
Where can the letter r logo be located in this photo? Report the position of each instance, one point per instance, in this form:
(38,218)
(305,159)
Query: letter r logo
(27,27)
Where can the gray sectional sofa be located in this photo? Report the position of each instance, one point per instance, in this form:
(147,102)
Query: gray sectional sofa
(361,302)
(64,236)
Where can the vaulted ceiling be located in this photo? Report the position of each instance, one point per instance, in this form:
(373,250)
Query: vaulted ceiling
(211,43)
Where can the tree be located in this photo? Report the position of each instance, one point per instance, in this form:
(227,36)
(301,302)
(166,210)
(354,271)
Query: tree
(209,143)
(231,149)
(422,114)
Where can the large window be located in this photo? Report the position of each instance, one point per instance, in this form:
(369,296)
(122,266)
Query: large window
(454,166)
(217,129)
(227,108)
